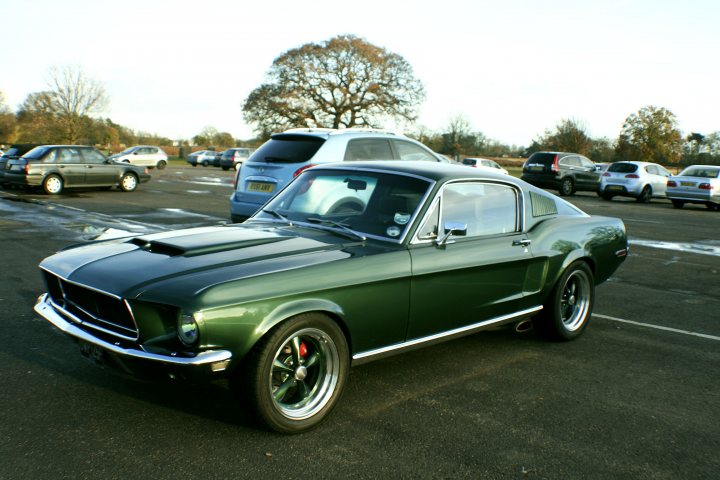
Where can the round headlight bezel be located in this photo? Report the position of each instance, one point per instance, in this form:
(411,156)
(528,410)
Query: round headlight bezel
(188,331)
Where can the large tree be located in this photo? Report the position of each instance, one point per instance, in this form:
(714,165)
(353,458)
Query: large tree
(650,135)
(569,135)
(8,125)
(342,82)
(74,97)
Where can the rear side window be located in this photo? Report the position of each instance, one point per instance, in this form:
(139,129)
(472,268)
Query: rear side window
(622,167)
(369,149)
(68,155)
(288,149)
(410,151)
(652,169)
(570,161)
(36,153)
(93,156)
(469,161)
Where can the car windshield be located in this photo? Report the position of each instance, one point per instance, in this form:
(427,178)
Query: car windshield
(373,204)
(622,167)
(702,172)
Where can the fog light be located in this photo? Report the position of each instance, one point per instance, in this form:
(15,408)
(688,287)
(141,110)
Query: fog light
(187,330)
(219,366)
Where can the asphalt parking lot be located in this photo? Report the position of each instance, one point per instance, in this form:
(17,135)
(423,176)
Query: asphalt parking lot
(636,397)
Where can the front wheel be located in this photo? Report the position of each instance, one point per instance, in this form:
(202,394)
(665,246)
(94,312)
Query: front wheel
(294,376)
(161,164)
(52,184)
(567,187)
(128,182)
(567,311)
(205,163)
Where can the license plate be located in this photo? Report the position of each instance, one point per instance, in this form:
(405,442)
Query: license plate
(93,352)
(613,187)
(687,184)
(536,168)
(260,187)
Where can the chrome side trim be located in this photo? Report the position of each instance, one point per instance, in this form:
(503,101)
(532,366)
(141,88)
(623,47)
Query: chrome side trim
(391,349)
(46,310)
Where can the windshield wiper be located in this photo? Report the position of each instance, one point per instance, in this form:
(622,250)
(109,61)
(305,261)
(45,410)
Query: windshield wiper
(342,226)
(278,215)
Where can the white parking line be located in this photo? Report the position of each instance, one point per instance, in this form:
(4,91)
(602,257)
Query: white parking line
(657,327)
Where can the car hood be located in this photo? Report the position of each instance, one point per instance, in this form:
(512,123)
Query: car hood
(184,263)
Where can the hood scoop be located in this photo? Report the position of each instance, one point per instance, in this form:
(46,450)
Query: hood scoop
(193,245)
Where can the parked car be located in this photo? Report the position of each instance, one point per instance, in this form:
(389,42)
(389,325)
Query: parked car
(144,156)
(565,172)
(695,184)
(234,158)
(202,157)
(16,150)
(351,262)
(285,155)
(640,180)
(56,167)
(483,162)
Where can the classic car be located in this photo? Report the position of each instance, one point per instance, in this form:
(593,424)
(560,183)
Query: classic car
(349,263)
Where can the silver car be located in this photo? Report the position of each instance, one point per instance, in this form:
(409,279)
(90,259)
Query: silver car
(695,184)
(640,180)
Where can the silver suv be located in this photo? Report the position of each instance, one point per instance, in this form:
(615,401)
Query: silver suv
(282,158)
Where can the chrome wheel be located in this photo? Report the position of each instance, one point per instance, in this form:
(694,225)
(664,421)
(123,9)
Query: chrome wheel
(128,182)
(575,300)
(53,185)
(304,374)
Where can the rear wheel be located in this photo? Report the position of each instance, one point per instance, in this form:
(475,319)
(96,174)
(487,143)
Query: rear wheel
(226,168)
(712,206)
(567,311)
(645,195)
(52,184)
(677,203)
(128,182)
(294,376)
(567,187)
(161,164)
(607,196)
(205,163)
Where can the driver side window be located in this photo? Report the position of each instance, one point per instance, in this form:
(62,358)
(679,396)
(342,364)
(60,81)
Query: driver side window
(486,208)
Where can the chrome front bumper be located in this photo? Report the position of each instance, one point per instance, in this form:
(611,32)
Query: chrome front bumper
(217,360)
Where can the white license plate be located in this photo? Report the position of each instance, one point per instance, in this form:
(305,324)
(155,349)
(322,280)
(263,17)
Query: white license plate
(260,187)
(687,184)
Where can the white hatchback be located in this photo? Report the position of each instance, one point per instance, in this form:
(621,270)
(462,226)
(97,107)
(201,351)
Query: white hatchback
(143,155)
(640,180)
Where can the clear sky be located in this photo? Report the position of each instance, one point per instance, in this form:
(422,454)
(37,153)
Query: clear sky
(513,67)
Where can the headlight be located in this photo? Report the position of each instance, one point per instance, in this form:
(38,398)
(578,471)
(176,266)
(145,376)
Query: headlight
(187,330)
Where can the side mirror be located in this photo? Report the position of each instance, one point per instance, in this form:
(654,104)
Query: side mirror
(457,229)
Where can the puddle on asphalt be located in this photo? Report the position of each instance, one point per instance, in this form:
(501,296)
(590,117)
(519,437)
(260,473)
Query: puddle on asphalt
(705,247)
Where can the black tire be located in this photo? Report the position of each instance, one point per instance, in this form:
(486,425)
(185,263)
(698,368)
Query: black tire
(567,311)
(226,168)
(161,165)
(205,163)
(607,196)
(128,182)
(712,206)
(53,184)
(295,375)
(645,195)
(567,187)
(677,203)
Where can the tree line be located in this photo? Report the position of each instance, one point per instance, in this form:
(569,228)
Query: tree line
(343,82)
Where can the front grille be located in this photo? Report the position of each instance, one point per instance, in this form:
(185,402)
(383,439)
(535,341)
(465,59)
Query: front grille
(91,308)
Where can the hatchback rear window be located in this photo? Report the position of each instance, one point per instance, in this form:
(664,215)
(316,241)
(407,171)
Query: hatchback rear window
(621,167)
(542,158)
(288,149)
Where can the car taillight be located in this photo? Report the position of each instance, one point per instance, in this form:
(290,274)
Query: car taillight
(705,186)
(302,169)
(632,175)
(671,183)
(27,168)
(606,174)
(554,166)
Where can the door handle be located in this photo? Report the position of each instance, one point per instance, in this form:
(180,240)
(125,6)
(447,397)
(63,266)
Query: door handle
(522,243)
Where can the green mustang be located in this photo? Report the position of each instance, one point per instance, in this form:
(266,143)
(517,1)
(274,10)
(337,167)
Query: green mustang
(349,263)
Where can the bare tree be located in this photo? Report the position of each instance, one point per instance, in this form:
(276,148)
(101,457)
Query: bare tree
(74,97)
(343,82)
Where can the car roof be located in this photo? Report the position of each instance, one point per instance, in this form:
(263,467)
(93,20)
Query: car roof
(430,170)
(328,132)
